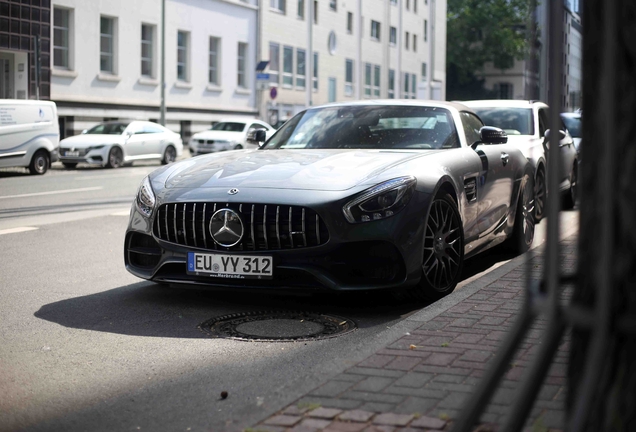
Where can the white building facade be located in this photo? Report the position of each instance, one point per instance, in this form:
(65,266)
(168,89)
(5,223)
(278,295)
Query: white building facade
(343,50)
(106,61)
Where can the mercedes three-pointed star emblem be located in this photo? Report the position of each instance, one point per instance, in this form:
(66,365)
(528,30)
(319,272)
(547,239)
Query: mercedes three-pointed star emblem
(226,227)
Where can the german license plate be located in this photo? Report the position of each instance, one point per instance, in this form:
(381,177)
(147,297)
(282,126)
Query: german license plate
(72,153)
(231,266)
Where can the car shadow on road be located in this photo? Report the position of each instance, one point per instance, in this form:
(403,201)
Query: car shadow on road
(148,309)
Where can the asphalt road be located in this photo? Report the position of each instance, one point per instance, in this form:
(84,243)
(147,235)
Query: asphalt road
(87,346)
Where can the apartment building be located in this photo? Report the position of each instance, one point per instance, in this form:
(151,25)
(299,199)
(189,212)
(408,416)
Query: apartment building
(321,51)
(106,61)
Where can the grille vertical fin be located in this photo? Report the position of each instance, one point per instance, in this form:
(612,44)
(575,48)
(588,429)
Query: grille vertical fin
(205,240)
(265,226)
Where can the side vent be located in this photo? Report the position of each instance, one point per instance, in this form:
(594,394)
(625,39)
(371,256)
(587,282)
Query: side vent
(470,186)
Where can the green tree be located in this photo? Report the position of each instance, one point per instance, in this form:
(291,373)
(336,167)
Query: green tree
(480,31)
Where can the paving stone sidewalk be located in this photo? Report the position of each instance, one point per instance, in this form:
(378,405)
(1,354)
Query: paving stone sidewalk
(421,381)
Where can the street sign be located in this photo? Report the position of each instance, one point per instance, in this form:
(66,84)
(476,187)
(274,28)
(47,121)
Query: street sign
(273,93)
(262,76)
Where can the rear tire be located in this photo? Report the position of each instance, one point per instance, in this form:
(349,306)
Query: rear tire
(238,147)
(540,194)
(40,163)
(169,155)
(523,231)
(569,200)
(115,158)
(443,256)
(69,165)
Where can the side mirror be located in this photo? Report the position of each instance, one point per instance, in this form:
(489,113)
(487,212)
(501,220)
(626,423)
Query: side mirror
(491,135)
(84,131)
(128,134)
(257,137)
(562,134)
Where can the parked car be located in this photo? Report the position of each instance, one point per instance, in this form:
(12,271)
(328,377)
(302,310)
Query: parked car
(115,143)
(526,123)
(362,195)
(29,134)
(228,134)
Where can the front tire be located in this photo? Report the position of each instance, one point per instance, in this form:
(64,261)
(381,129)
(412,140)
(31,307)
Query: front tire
(523,231)
(115,158)
(569,200)
(443,256)
(238,147)
(40,163)
(169,155)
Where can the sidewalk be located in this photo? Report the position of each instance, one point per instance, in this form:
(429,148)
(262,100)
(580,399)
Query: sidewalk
(421,380)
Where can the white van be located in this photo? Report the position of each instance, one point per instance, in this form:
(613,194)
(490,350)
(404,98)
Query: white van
(29,134)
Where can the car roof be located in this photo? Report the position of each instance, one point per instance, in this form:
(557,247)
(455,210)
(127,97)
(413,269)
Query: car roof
(504,103)
(405,102)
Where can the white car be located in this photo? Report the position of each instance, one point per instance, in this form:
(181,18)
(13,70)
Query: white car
(113,144)
(227,135)
(526,122)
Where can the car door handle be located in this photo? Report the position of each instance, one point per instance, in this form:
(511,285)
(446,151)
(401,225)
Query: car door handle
(505,158)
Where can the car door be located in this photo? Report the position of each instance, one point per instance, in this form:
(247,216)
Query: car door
(154,137)
(495,182)
(134,140)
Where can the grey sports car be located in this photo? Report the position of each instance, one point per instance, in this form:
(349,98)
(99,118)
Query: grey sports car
(366,195)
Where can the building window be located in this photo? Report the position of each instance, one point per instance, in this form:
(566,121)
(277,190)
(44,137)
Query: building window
(408,4)
(278,5)
(375,30)
(376,81)
(301,9)
(367,80)
(147,50)
(392,36)
(425,30)
(107,45)
(333,5)
(61,38)
(315,75)
(349,22)
(504,90)
(213,60)
(348,77)
(274,62)
(415,5)
(413,86)
(288,67)
(414,42)
(391,84)
(182,55)
(242,65)
(406,86)
(300,68)
(406,40)
(394,2)
(315,11)
(423,71)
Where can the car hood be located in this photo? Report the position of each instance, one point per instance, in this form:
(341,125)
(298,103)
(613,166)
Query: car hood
(218,135)
(86,140)
(327,170)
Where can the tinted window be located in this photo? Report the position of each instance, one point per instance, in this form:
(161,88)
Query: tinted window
(369,127)
(108,129)
(514,121)
(573,125)
(229,126)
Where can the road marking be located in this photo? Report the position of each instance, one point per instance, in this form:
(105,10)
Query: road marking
(53,192)
(17,230)
(121,213)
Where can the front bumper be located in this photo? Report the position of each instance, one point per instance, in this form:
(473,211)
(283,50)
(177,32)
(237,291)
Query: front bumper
(92,157)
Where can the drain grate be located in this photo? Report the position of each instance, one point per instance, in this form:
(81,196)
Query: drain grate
(277,326)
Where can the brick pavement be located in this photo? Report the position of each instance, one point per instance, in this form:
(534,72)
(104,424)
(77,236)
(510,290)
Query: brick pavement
(421,380)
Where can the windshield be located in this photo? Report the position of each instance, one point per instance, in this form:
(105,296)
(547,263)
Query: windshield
(514,121)
(573,125)
(229,126)
(368,127)
(108,129)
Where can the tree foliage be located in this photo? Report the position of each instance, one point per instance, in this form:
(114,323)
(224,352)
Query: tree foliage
(481,31)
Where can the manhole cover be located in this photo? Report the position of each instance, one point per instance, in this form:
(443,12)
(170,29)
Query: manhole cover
(277,326)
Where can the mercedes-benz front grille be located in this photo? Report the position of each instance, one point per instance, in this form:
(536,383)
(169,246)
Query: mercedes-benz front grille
(265,226)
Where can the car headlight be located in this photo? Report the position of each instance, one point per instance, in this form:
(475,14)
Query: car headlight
(146,198)
(381,201)
(95,148)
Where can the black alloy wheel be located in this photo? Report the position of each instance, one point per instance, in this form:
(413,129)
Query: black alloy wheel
(39,163)
(523,231)
(238,147)
(69,165)
(540,195)
(570,198)
(443,249)
(115,158)
(169,155)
